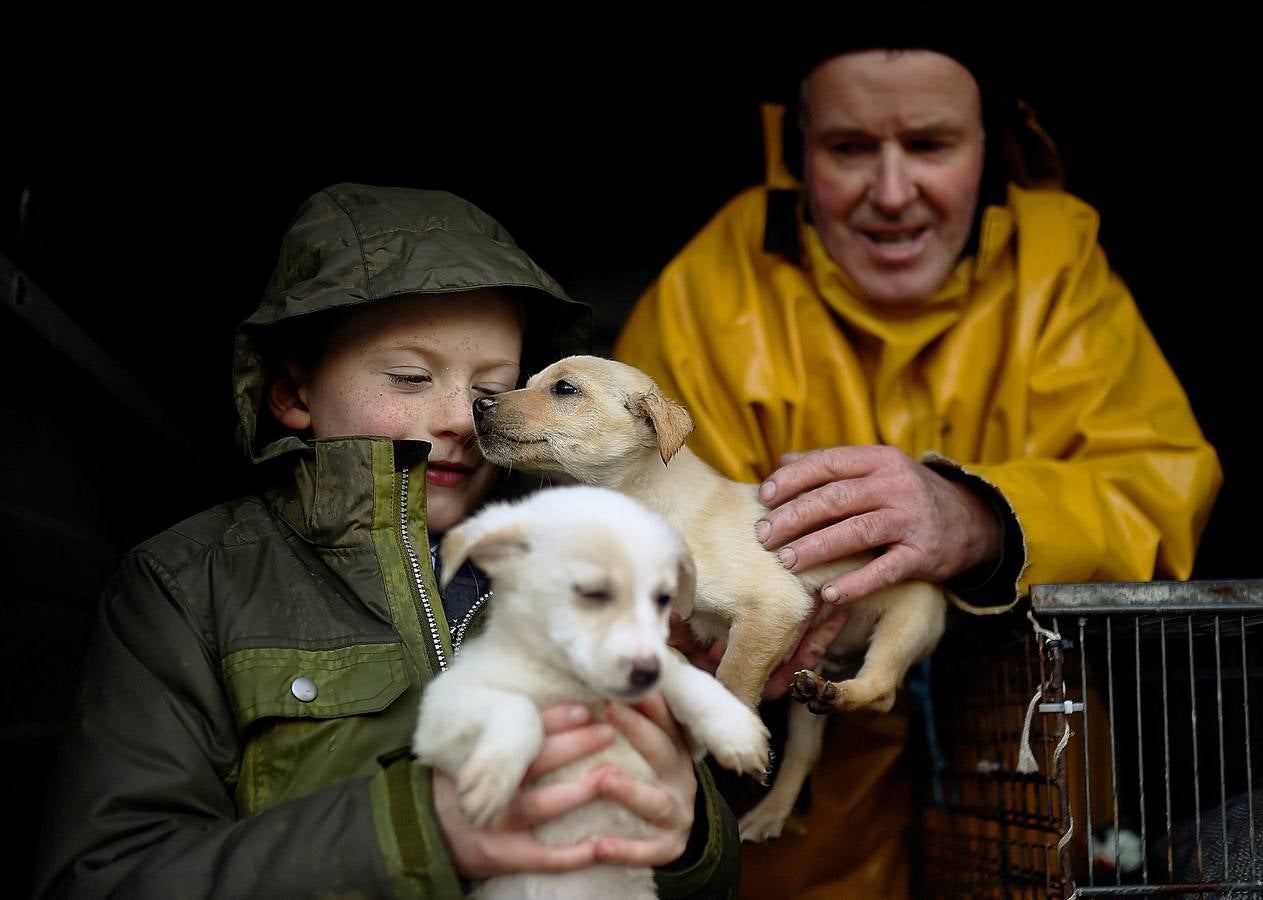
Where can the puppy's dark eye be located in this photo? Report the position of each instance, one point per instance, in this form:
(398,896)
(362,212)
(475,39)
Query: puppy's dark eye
(664,600)
(564,387)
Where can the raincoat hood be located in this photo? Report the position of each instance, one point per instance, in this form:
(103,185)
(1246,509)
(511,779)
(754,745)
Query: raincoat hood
(352,244)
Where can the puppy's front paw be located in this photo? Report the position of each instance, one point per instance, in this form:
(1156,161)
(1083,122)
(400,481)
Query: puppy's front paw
(486,785)
(739,742)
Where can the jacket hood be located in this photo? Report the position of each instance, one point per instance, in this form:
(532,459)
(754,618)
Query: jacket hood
(352,244)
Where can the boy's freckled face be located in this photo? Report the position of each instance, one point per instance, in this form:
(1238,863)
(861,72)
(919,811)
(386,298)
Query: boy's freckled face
(411,369)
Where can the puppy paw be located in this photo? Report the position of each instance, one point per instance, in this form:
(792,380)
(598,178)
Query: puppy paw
(823,696)
(486,785)
(818,694)
(739,743)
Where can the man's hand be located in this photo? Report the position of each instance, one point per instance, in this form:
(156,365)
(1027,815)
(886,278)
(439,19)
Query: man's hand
(829,504)
(813,641)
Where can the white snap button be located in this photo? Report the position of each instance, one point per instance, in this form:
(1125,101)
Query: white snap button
(304,689)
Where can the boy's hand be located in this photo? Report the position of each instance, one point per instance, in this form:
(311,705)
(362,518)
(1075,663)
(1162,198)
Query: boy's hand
(510,845)
(571,734)
(667,803)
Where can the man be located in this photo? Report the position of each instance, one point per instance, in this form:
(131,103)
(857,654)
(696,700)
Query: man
(959,380)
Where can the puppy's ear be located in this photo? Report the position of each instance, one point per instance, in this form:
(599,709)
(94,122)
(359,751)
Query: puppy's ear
(485,543)
(686,586)
(670,421)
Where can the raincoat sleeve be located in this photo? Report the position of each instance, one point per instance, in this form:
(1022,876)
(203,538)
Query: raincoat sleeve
(1116,481)
(142,803)
(1110,479)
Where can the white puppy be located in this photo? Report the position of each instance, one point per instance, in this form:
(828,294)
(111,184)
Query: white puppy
(584,579)
(601,422)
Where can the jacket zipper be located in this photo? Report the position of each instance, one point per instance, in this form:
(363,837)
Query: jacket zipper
(416,571)
(459,635)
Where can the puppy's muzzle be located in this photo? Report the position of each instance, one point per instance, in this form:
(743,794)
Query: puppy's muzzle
(483,407)
(644,672)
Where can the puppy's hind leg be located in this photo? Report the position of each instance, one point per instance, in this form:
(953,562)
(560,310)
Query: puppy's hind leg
(802,750)
(910,622)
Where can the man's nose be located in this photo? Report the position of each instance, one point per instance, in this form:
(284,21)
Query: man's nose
(893,187)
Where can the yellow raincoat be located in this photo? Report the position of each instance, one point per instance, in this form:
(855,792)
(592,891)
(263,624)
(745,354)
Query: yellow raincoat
(1031,368)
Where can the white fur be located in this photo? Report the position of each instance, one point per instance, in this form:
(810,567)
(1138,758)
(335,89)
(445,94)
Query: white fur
(548,640)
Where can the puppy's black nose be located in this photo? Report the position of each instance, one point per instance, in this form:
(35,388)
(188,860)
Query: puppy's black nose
(644,672)
(484,405)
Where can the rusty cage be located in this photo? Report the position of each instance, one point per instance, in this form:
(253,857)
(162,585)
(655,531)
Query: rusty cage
(1099,741)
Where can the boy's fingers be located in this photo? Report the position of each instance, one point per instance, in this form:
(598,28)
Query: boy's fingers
(651,729)
(521,851)
(564,717)
(533,805)
(655,851)
(647,801)
(561,749)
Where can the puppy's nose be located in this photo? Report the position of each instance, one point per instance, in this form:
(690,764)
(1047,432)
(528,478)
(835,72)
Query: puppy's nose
(644,671)
(484,405)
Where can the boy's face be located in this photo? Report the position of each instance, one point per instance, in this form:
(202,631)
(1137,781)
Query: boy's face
(411,369)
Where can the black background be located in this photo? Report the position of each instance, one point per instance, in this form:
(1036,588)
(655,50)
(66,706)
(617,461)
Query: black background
(147,186)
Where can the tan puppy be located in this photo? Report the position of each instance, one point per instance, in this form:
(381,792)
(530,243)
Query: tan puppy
(604,423)
(584,580)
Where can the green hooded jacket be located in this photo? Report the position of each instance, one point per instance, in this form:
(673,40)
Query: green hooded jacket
(251,688)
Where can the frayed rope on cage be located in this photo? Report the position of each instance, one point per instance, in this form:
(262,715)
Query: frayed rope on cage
(1025,758)
(1026,763)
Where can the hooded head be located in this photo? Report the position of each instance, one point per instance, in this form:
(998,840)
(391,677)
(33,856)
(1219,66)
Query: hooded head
(352,245)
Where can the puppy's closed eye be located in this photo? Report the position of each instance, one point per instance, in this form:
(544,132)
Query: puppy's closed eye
(595,593)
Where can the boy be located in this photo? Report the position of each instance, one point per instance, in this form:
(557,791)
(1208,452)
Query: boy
(252,684)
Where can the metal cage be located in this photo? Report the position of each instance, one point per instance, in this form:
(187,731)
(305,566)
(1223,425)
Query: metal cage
(1098,742)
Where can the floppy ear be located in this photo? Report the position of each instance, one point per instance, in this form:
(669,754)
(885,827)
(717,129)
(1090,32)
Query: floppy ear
(670,421)
(686,586)
(486,543)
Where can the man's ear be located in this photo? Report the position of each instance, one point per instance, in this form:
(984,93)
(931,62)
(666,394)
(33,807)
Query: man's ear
(287,397)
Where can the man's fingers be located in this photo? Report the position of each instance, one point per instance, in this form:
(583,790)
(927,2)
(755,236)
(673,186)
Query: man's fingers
(842,539)
(884,571)
(811,470)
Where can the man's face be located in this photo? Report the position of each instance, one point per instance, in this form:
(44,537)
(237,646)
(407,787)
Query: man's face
(893,164)
(411,369)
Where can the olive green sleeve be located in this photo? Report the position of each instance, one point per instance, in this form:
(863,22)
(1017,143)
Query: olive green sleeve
(408,832)
(710,867)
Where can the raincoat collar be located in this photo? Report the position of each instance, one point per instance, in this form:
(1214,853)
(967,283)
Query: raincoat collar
(337,491)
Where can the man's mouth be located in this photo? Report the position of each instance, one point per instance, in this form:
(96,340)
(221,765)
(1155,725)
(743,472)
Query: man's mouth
(904,236)
(894,245)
